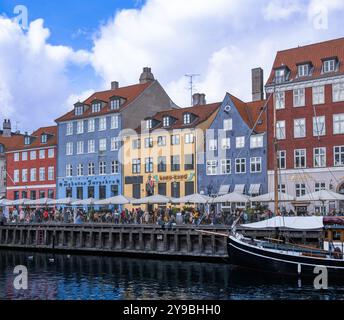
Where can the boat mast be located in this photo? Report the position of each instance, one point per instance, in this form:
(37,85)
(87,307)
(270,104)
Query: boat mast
(275,153)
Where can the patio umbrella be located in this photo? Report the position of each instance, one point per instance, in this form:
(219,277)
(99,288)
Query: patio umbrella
(20,202)
(156,199)
(85,202)
(193,198)
(64,201)
(270,197)
(118,200)
(5,202)
(231,197)
(322,195)
(39,202)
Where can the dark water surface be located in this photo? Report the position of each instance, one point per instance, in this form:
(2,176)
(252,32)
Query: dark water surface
(113,278)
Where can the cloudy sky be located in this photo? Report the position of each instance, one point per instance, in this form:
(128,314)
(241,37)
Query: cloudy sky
(64,50)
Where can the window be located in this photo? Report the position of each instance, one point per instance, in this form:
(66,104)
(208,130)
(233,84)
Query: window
(280,100)
(136,166)
(212,144)
(149,124)
(91,146)
(149,165)
(256,164)
(175,163)
(102,167)
(256,141)
(240,165)
(338,92)
(69,148)
(51,153)
(300,189)
(226,143)
(189,138)
(102,124)
(96,106)
(136,144)
(115,143)
(16,176)
(319,126)
(227,124)
(281,158)
(303,70)
(211,167)
(240,142)
(44,138)
(91,169)
(299,97)
(338,155)
(189,188)
(175,189)
(80,169)
(80,127)
(148,142)
(115,167)
(318,95)
(115,104)
(280,130)
(162,189)
(80,147)
(69,170)
(114,122)
(281,188)
(161,141)
(102,144)
(41,174)
(24,156)
(166,121)
(175,139)
(69,130)
(33,155)
(318,186)
(225,166)
(338,123)
(280,75)
(42,153)
(162,164)
(189,162)
(24,175)
(79,110)
(114,190)
(299,128)
(102,192)
(90,192)
(300,158)
(33,194)
(136,191)
(91,125)
(50,173)
(16,157)
(27,140)
(33,174)
(329,65)
(187,118)
(79,193)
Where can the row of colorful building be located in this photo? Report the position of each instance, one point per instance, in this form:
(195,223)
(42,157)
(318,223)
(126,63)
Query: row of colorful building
(136,141)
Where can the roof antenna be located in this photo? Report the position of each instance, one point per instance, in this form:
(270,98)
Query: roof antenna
(191,83)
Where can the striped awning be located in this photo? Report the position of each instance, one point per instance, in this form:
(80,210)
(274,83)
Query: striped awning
(254,189)
(224,189)
(239,188)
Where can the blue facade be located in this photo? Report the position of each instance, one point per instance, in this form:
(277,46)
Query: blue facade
(110,182)
(217,174)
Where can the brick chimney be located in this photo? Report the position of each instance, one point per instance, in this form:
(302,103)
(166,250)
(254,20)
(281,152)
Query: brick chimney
(257,84)
(6,127)
(198,99)
(146,75)
(114,85)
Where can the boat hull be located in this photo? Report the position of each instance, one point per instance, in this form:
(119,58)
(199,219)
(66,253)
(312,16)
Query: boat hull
(253,257)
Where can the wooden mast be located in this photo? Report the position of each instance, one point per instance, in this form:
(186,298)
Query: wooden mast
(275,155)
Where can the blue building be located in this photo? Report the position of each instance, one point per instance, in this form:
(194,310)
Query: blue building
(235,157)
(89,140)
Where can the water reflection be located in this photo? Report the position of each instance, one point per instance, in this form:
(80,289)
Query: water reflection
(111,278)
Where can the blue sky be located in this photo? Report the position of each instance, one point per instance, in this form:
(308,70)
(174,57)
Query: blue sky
(72,48)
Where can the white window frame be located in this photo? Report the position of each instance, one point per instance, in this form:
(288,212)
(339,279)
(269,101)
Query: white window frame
(329,66)
(115,121)
(102,124)
(318,95)
(319,126)
(211,167)
(42,174)
(80,127)
(338,123)
(91,146)
(338,92)
(300,130)
(175,140)
(16,176)
(80,170)
(102,144)
(189,138)
(319,157)
(24,175)
(240,142)
(16,157)
(257,163)
(340,154)
(303,70)
(212,144)
(225,164)
(226,143)
(80,147)
(280,130)
(41,154)
(256,141)
(296,156)
(240,162)
(51,173)
(115,143)
(69,148)
(24,156)
(282,154)
(228,124)
(102,168)
(51,153)
(91,125)
(280,100)
(299,97)
(115,167)
(33,155)
(33,174)
(91,169)
(69,170)
(69,128)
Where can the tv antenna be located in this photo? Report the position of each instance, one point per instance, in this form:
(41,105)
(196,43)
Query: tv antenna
(191,77)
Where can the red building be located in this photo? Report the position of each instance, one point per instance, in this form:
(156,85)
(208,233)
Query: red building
(307,84)
(31,166)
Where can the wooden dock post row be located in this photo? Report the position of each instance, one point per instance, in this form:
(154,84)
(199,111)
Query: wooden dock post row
(180,241)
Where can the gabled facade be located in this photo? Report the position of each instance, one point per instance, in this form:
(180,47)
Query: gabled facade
(309,100)
(89,137)
(235,150)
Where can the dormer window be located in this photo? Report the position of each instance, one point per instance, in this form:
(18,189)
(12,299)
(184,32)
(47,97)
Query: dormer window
(166,121)
(329,65)
(280,75)
(149,124)
(96,106)
(44,138)
(79,110)
(303,70)
(115,104)
(27,140)
(187,118)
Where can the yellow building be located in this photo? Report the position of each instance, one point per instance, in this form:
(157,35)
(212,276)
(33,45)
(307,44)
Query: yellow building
(160,156)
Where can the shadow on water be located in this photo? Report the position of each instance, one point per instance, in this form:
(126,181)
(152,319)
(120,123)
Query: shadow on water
(109,278)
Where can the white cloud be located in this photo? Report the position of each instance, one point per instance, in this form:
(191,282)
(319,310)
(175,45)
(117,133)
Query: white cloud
(282,9)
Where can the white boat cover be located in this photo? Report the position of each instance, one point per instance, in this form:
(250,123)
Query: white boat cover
(305,223)
(322,195)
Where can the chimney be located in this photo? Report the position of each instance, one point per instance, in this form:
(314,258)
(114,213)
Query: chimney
(114,85)
(257,84)
(6,128)
(198,99)
(146,75)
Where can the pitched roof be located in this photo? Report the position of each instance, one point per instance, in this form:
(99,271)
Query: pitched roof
(19,142)
(313,53)
(251,113)
(10,142)
(201,113)
(129,93)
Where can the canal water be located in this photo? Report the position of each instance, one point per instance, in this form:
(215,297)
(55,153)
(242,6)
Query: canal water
(76,277)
